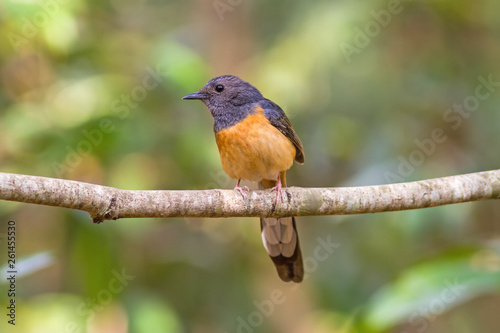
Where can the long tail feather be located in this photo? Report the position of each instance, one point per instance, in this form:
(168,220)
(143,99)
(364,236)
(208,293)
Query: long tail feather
(281,241)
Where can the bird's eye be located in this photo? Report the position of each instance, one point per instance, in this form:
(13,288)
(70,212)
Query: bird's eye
(219,88)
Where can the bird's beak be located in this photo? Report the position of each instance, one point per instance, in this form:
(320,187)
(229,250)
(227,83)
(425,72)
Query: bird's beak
(196,95)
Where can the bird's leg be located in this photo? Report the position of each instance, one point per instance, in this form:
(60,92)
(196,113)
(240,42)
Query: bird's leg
(240,189)
(279,191)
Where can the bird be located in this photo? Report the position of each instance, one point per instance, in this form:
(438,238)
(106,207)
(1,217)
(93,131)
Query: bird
(257,143)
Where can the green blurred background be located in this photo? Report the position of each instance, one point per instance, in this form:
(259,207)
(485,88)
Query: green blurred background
(91,91)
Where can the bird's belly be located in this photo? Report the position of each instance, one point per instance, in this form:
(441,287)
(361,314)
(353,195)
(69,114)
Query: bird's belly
(254,149)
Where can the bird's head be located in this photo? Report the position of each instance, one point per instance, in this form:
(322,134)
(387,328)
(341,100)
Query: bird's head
(226,91)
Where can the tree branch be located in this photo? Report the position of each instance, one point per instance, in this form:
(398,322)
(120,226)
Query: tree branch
(106,203)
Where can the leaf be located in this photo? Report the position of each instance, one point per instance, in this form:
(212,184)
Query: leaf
(427,290)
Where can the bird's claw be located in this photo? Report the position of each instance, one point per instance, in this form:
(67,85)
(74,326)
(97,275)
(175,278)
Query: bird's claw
(240,189)
(279,192)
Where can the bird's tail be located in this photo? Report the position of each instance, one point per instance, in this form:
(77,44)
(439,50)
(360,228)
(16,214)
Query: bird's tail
(282,241)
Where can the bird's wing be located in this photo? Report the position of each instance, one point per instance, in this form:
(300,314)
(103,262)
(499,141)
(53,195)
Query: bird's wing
(278,119)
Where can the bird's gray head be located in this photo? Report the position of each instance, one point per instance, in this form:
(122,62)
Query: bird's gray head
(225,92)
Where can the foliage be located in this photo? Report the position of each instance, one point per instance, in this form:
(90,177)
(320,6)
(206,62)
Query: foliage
(378,91)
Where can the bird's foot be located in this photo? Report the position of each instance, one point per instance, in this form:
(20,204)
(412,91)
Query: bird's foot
(279,191)
(240,189)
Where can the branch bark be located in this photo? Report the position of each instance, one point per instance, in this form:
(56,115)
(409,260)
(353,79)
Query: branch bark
(107,203)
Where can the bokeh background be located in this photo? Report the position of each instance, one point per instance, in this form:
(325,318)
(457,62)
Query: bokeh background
(91,91)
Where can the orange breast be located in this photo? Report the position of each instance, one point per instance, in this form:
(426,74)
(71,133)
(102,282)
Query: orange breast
(254,149)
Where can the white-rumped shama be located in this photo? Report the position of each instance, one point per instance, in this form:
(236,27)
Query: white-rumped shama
(257,143)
